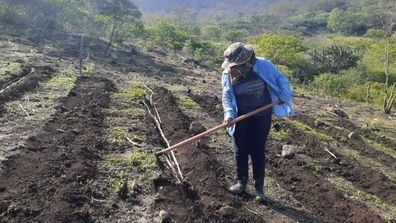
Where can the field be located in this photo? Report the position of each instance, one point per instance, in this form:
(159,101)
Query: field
(81,148)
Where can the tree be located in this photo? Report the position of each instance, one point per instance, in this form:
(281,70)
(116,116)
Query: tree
(326,5)
(308,23)
(332,59)
(345,22)
(280,48)
(169,35)
(334,85)
(121,13)
(258,23)
(284,50)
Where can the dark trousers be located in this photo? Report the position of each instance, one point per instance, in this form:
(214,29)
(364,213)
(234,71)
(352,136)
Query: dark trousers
(249,138)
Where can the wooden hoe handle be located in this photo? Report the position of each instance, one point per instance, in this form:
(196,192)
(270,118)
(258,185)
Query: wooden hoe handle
(209,131)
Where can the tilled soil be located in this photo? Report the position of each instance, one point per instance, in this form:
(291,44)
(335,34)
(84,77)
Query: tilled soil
(28,79)
(325,201)
(55,175)
(49,180)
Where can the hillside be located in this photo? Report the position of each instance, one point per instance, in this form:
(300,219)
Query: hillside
(80,148)
(152,6)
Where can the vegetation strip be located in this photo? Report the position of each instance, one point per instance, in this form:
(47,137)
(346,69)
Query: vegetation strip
(379,147)
(345,151)
(388,212)
(39,104)
(375,145)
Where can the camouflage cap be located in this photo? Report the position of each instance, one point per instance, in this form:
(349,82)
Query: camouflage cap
(236,54)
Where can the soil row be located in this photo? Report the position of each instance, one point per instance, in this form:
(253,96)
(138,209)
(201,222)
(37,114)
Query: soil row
(341,135)
(27,80)
(203,194)
(363,177)
(366,132)
(49,180)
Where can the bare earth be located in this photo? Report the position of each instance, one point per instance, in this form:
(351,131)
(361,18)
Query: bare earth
(59,164)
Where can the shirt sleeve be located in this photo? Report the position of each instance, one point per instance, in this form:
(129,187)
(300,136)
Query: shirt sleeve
(226,97)
(283,84)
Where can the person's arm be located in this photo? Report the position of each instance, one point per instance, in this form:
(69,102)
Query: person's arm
(282,82)
(226,98)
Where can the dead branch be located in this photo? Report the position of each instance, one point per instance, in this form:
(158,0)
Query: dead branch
(24,111)
(333,114)
(171,160)
(157,118)
(332,154)
(16,82)
(250,210)
(152,104)
(132,142)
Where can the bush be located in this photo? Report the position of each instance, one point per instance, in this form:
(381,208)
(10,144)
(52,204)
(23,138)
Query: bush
(310,22)
(333,59)
(280,48)
(334,85)
(371,92)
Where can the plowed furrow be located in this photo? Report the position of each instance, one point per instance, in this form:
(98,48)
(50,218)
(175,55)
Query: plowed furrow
(361,175)
(49,181)
(27,81)
(204,193)
(378,151)
(369,133)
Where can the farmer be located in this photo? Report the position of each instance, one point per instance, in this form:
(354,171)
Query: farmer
(250,82)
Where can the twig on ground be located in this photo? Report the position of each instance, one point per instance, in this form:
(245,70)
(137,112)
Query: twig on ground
(170,158)
(333,114)
(254,212)
(153,104)
(132,142)
(332,154)
(16,82)
(24,111)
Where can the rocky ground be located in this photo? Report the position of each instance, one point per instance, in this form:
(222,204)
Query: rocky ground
(81,148)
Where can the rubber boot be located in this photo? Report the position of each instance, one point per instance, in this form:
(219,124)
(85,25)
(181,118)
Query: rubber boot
(259,186)
(238,188)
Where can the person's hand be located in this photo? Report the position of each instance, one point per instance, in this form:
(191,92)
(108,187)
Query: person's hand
(281,102)
(228,121)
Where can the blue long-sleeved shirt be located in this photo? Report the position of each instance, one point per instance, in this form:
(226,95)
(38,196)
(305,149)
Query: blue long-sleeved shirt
(278,87)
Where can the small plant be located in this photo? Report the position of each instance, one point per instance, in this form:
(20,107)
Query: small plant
(310,131)
(269,181)
(26,61)
(313,167)
(61,81)
(132,94)
(89,68)
(186,102)
(116,185)
(281,135)
(141,160)
(116,135)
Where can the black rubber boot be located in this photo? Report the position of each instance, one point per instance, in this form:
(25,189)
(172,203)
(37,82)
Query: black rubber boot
(259,186)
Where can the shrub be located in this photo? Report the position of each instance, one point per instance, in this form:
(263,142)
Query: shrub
(333,59)
(334,85)
(371,92)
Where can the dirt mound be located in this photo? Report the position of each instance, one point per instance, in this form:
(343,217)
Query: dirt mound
(47,182)
(28,79)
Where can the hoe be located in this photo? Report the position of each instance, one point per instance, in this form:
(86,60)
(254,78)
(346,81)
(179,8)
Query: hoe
(210,131)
